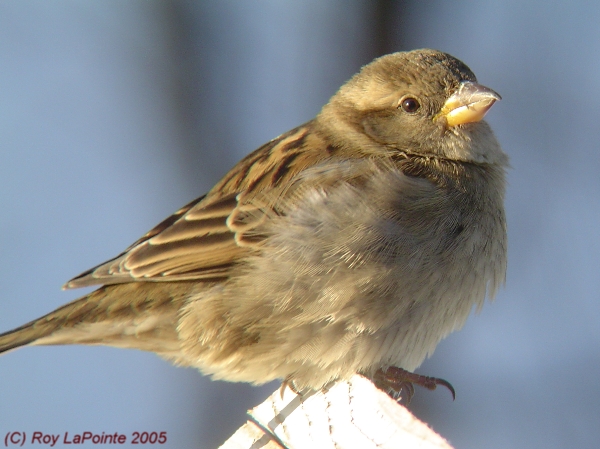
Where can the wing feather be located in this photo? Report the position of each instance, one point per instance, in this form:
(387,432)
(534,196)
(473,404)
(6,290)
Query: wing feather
(205,238)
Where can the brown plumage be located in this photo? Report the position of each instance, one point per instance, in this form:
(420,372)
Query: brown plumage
(352,243)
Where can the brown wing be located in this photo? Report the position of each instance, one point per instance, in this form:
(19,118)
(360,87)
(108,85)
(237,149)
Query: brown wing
(202,240)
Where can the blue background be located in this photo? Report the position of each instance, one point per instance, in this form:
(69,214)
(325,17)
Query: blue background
(115,114)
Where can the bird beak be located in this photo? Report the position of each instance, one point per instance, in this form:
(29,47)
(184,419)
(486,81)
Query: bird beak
(468,104)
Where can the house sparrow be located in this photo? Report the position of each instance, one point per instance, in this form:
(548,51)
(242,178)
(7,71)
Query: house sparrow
(351,244)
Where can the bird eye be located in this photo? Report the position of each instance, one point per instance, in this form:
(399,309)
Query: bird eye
(410,105)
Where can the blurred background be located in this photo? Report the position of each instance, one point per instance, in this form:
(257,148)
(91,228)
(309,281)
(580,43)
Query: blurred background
(114,114)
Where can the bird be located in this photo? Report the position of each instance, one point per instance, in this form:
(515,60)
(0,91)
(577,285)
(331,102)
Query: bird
(353,243)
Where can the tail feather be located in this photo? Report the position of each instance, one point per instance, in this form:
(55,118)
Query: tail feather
(21,336)
(136,315)
(29,333)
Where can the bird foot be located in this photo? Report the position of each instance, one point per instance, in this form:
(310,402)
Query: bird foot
(394,381)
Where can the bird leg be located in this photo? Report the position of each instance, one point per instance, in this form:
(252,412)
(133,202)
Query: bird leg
(394,380)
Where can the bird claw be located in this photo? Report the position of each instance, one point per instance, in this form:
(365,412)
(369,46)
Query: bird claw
(396,380)
(288,382)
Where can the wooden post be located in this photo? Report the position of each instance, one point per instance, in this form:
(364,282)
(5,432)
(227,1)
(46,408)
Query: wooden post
(351,414)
